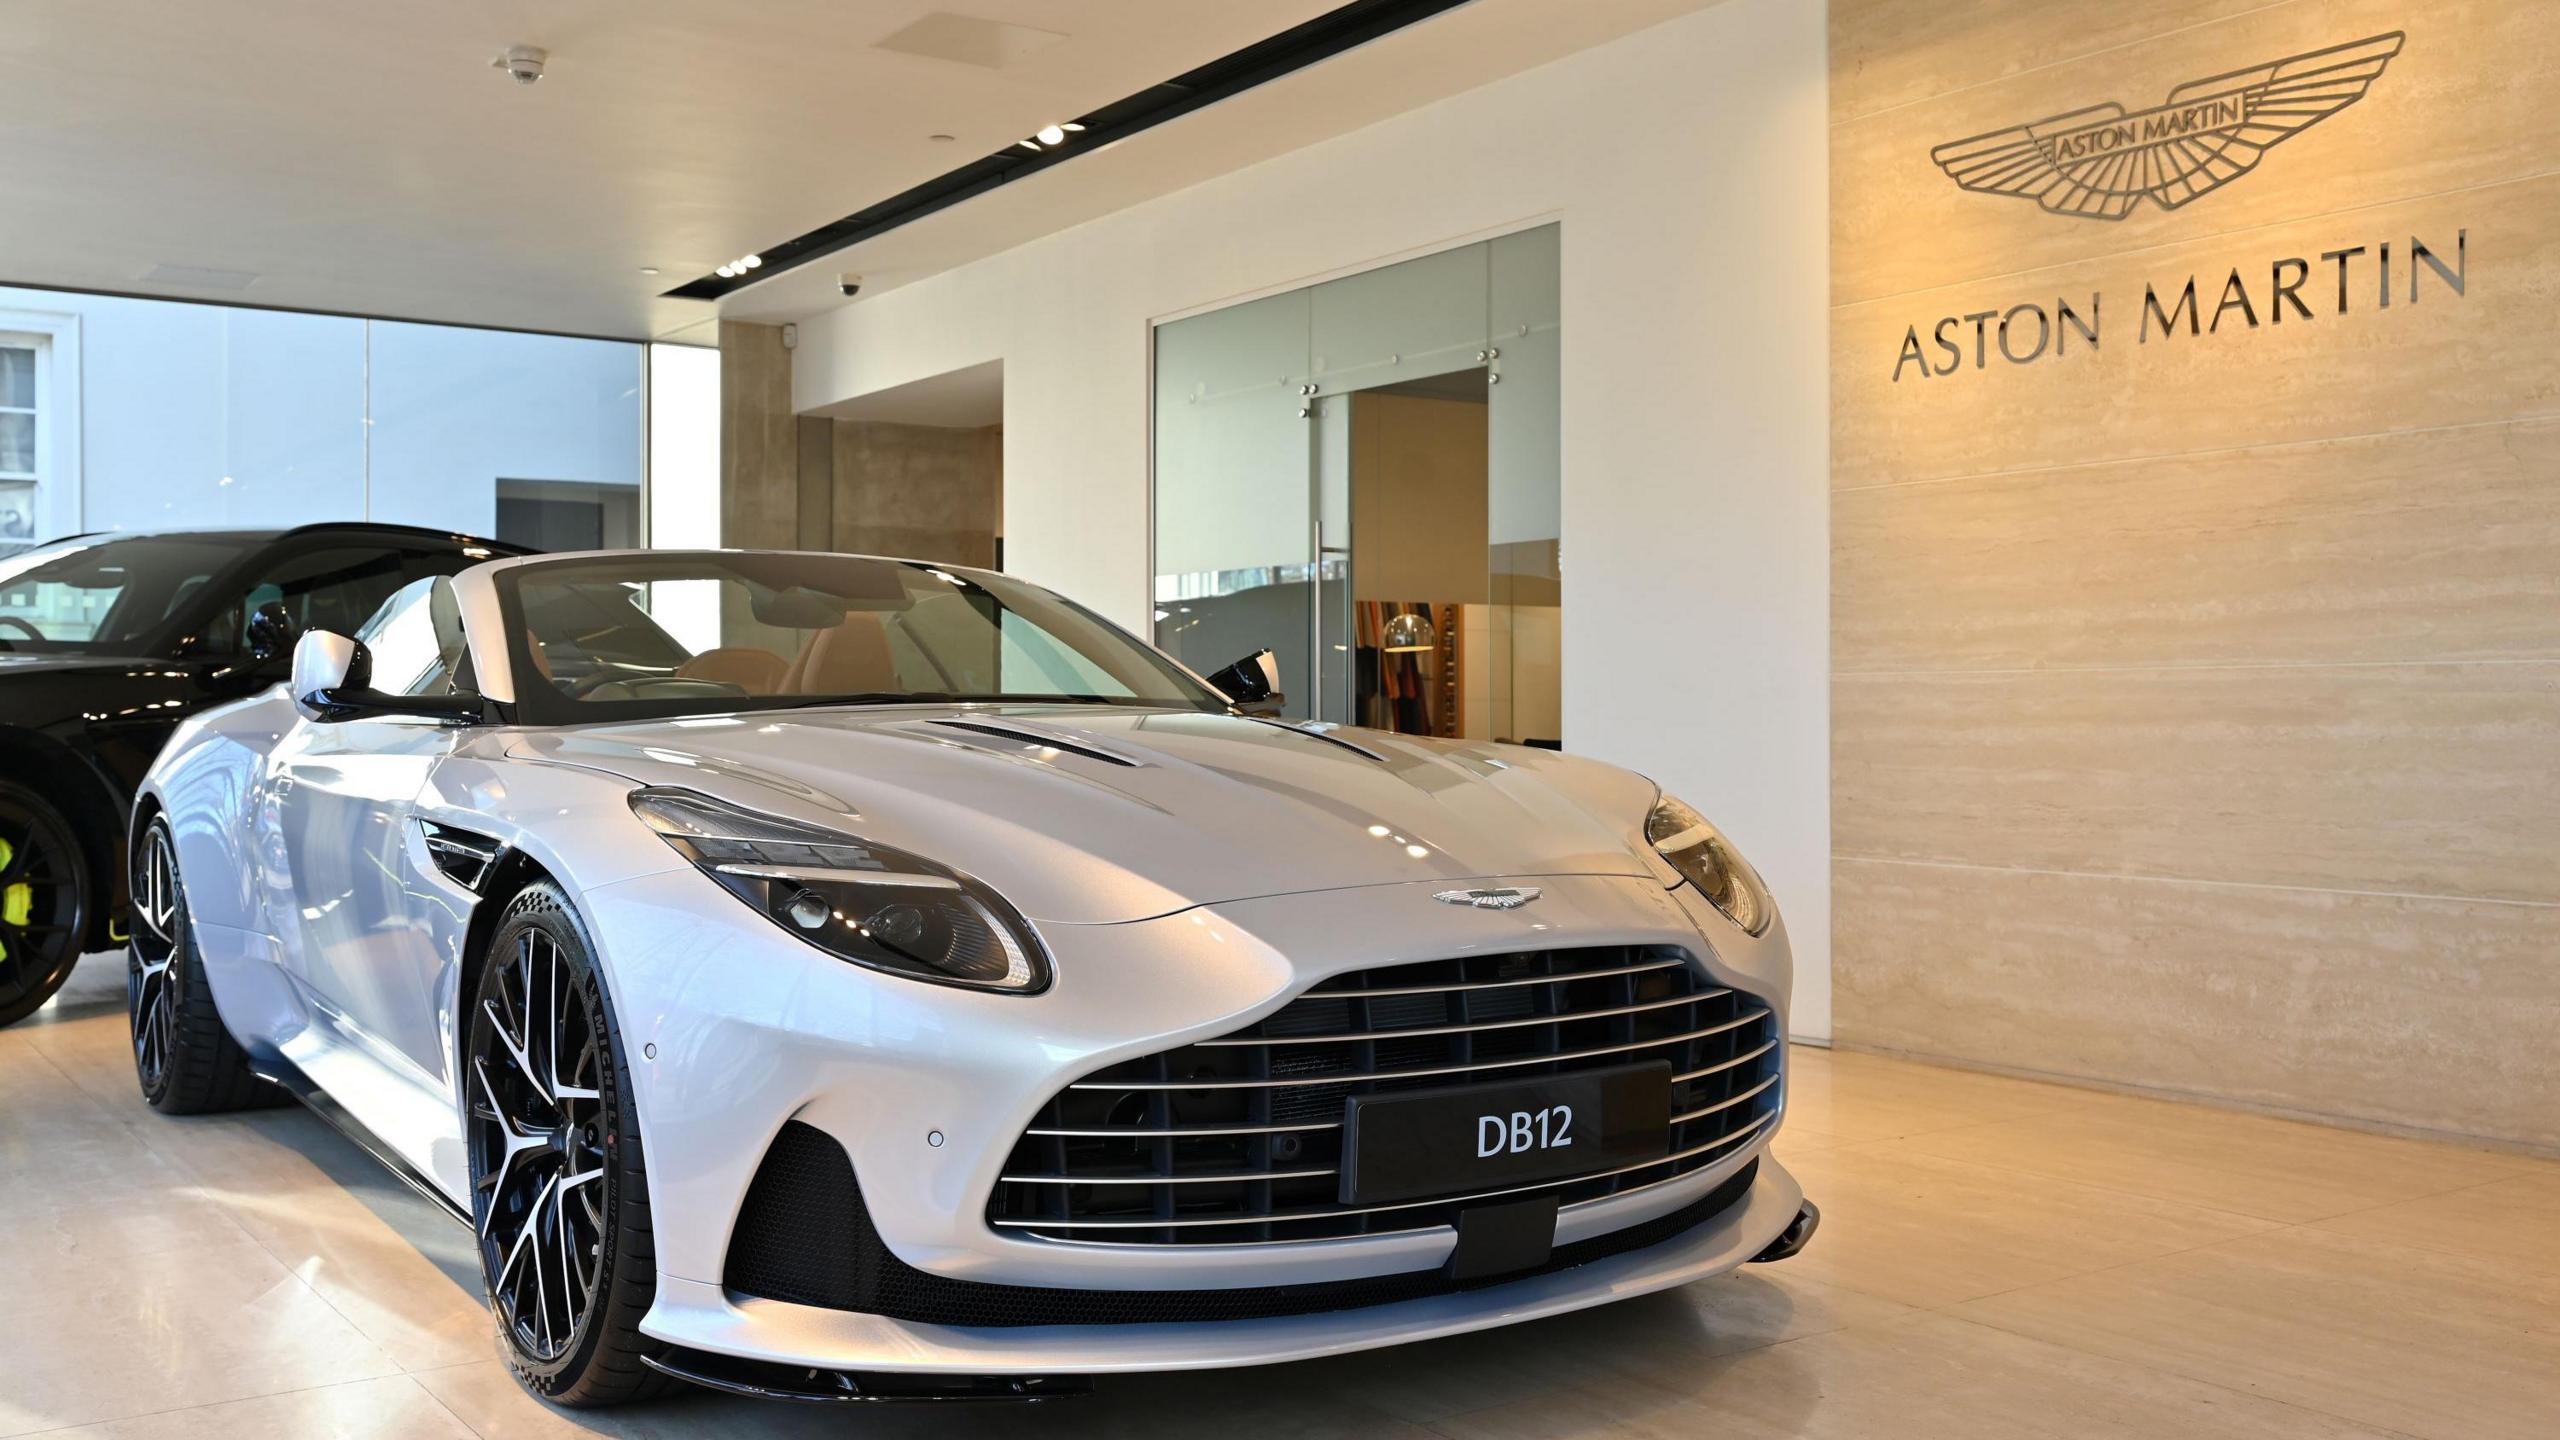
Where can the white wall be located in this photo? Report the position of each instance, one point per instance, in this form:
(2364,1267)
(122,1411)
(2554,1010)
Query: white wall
(1688,165)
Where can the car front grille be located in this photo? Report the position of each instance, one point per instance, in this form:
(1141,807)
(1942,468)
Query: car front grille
(1239,1140)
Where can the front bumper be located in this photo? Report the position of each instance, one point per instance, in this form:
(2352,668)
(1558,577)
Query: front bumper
(702,1316)
(734,1028)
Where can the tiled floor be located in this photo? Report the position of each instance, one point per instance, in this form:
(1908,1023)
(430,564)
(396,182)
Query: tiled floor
(1997,1258)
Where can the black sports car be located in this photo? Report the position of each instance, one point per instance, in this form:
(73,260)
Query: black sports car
(106,643)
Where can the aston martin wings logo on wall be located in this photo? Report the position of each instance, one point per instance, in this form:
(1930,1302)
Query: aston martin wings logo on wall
(2103,161)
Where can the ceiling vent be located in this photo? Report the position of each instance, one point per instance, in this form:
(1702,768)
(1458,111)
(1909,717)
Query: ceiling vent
(967,40)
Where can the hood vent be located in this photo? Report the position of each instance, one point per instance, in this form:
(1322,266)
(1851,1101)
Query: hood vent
(1028,739)
(1318,730)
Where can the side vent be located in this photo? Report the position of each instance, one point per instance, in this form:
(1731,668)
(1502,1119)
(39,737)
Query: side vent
(465,858)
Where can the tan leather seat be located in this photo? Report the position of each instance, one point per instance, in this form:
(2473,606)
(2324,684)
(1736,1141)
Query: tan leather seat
(758,672)
(851,659)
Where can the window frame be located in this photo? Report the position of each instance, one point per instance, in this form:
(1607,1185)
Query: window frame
(34,349)
(56,483)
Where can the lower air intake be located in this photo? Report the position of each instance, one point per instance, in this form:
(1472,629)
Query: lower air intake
(804,1236)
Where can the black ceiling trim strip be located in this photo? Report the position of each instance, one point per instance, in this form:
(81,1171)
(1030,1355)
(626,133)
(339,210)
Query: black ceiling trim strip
(1293,49)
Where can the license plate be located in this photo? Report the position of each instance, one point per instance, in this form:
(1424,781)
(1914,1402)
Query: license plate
(1471,1138)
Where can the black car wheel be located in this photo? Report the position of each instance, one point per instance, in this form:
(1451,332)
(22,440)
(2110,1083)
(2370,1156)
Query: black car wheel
(44,901)
(559,1194)
(187,1062)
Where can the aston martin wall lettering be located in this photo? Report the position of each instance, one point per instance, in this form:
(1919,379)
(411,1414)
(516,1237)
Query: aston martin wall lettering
(2291,288)
(2103,161)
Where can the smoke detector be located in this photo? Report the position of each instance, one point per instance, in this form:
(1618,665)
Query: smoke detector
(523,63)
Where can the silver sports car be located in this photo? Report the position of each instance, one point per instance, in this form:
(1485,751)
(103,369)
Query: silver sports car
(840,978)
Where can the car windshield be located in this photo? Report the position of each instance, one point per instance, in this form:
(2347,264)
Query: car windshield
(105,595)
(672,633)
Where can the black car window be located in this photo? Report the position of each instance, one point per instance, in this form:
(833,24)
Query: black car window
(336,589)
(105,594)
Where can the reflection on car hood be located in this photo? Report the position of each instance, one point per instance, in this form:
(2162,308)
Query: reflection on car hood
(1087,814)
(29,662)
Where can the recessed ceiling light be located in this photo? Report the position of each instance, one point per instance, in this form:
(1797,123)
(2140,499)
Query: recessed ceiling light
(648,269)
(1051,135)
(940,139)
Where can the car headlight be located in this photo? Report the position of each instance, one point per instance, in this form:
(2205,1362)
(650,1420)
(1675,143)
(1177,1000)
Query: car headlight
(1707,860)
(872,905)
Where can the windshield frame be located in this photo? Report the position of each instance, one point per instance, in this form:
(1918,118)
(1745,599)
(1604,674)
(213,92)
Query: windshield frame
(537,703)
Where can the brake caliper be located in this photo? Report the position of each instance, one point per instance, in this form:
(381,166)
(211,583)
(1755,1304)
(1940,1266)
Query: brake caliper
(17,902)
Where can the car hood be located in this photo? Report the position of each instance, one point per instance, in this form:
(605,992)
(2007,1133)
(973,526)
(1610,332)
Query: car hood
(1089,815)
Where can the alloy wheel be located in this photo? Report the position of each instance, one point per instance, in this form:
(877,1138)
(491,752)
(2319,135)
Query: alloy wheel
(40,899)
(150,972)
(538,1127)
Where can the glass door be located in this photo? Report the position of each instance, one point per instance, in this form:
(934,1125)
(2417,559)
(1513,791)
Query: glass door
(1395,482)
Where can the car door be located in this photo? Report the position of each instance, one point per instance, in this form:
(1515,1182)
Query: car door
(365,935)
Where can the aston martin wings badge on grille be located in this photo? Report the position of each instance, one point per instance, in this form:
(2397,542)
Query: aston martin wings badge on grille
(2102,162)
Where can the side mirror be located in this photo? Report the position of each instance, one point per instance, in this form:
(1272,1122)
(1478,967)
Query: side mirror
(333,680)
(272,631)
(324,666)
(1252,684)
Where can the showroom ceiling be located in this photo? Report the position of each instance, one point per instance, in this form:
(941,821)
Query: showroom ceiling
(371,159)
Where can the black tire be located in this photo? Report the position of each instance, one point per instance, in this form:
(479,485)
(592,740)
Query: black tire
(45,894)
(556,1168)
(187,1062)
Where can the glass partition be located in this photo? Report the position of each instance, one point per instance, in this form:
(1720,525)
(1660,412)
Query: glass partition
(1364,477)
(1235,524)
(148,414)
(533,438)
(1524,615)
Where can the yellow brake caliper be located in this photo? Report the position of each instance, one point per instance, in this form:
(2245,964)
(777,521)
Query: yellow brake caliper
(18,902)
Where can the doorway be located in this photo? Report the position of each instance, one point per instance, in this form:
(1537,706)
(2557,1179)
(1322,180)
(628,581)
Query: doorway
(1449,633)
